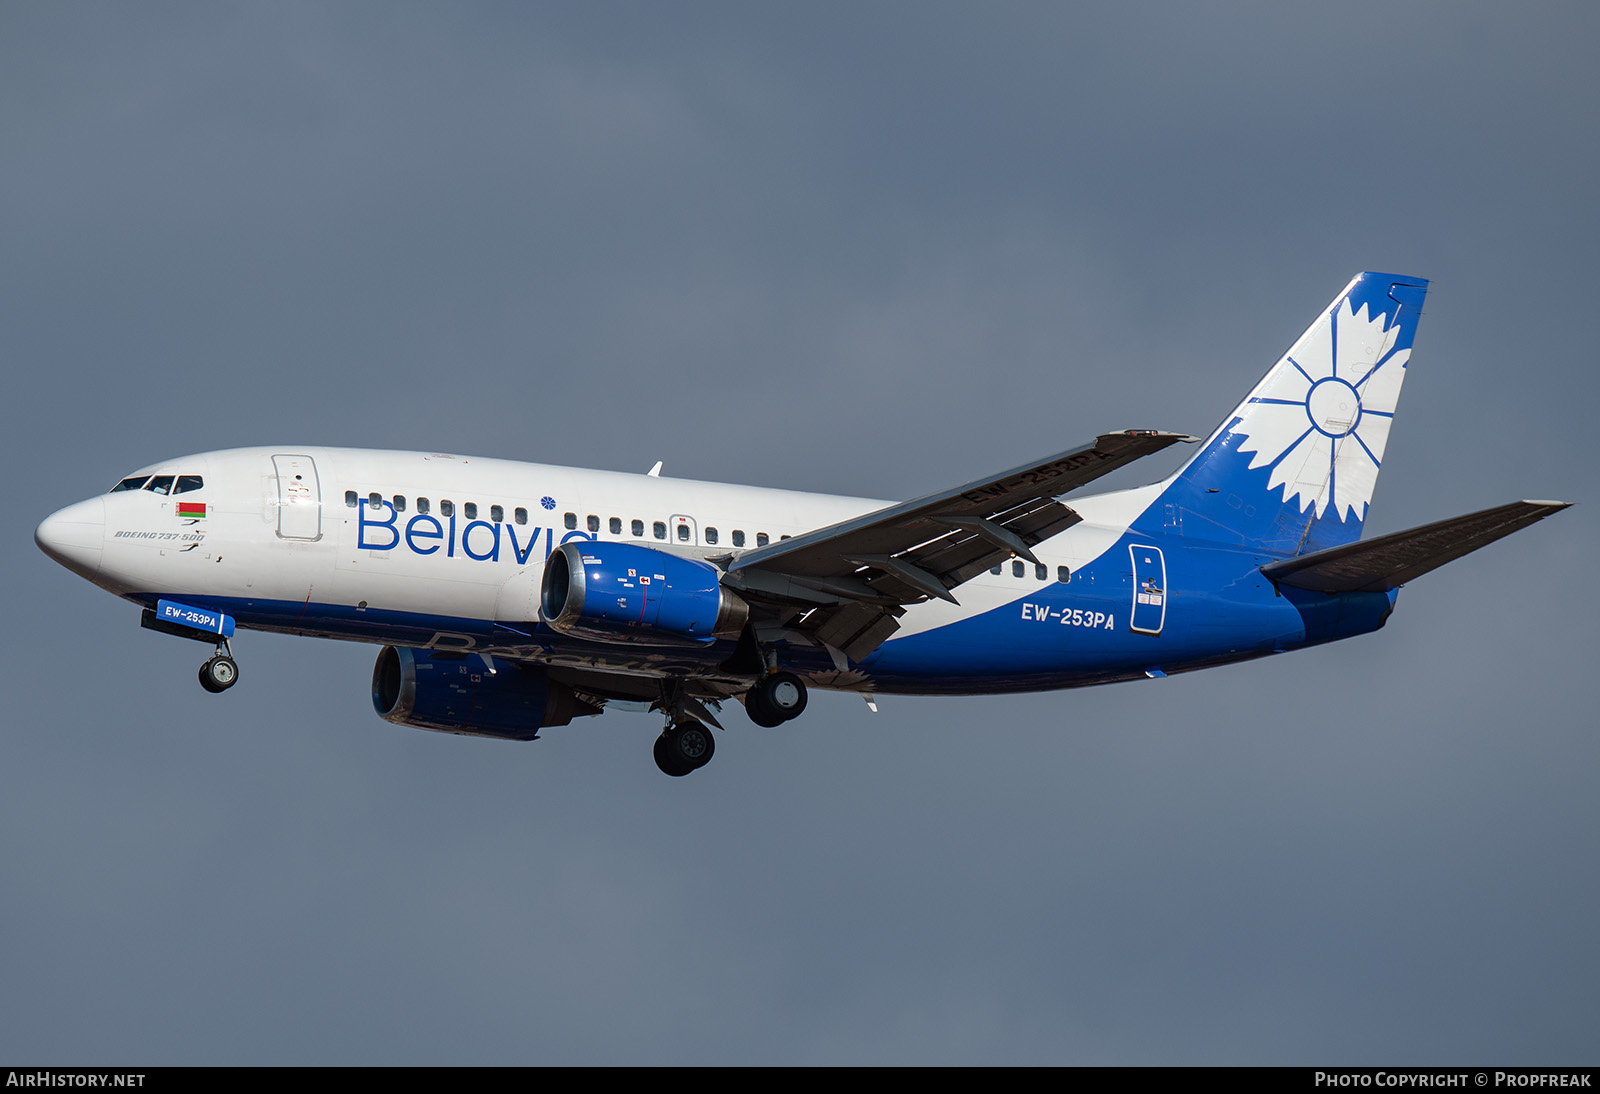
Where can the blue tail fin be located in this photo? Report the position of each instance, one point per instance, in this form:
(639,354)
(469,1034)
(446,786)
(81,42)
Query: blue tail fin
(1292,469)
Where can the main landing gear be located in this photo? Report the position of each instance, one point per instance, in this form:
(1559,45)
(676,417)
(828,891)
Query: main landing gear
(683,747)
(687,743)
(775,699)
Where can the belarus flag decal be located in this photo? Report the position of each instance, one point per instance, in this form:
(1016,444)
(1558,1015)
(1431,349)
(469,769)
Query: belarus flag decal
(192,509)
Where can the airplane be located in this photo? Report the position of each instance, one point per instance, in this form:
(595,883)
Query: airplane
(512,597)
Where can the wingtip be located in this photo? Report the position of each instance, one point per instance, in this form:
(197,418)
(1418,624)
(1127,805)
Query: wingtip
(1170,438)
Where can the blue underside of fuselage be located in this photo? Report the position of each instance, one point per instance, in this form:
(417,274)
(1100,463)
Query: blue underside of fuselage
(1216,608)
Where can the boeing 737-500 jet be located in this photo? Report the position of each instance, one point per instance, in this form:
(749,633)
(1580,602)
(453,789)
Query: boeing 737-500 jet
(509,597)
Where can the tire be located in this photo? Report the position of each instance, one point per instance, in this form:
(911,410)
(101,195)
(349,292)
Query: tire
(693,743)
(205,680)
(787,695)
(760,710)
(219,674)
(683,748)
(666,761)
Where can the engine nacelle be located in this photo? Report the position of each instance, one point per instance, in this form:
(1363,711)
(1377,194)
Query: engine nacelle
(455,693)
(622,592)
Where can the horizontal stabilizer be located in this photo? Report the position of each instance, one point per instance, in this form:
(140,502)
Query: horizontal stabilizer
(1378,565)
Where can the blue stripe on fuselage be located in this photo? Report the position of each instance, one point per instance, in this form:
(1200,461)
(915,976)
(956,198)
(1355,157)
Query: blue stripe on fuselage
(1220,609)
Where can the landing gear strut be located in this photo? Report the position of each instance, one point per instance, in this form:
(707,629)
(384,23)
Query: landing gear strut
(775,699)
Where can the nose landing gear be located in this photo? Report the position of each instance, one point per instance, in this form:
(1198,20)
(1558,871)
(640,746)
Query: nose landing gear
(220,673)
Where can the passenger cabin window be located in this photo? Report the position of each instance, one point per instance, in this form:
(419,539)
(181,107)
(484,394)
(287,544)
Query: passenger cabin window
(350,499)
(129,484)
(761,539)
(616,526)
(571,520)
(1041,571)
(470,510)
(423,506)
(738,537)
(593,523)
(711,535)
(1017,569)
(521,515)
(995,571)
(497,513)
(1063,574)
(399,503)
(188,484)
(638,528)
(375,500)
(683,533)
(660,529)
(161,484)
(447,507)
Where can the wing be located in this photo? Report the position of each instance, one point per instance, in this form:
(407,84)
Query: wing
(846,586)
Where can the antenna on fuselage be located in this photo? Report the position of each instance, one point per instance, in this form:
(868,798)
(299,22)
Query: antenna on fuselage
(655,472)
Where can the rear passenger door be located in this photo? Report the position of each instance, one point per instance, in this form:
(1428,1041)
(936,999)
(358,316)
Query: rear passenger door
(1149,589)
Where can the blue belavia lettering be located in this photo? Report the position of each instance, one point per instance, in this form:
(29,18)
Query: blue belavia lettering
(512,597)
(423,534)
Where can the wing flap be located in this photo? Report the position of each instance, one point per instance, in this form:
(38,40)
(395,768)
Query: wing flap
(975,548)
(1378,565)
(854,629)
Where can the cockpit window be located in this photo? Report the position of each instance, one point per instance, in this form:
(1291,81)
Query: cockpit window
(161,484)
(129,484)
(186,483)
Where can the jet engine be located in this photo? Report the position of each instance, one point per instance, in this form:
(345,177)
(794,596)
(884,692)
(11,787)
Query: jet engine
(456,693)
(622,592)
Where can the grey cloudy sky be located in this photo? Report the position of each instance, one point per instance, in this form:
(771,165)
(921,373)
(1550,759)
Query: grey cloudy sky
(864,248)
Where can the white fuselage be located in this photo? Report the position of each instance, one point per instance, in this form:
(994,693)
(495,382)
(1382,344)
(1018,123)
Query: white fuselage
(328,541)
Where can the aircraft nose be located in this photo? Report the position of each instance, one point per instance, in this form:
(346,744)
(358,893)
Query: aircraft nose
(75,536)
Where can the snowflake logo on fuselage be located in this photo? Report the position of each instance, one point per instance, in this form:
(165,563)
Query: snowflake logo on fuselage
(1321,418)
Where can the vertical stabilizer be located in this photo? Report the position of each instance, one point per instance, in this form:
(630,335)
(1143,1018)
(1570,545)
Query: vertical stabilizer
(1293,468)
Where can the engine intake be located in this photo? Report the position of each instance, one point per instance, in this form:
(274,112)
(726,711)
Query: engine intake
(621,592)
